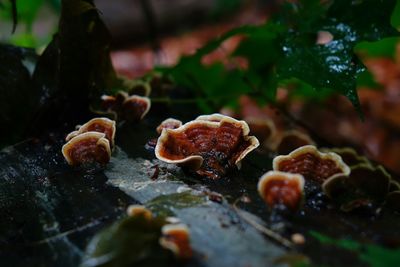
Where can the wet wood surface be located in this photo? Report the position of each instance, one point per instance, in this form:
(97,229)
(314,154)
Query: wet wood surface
(50,210)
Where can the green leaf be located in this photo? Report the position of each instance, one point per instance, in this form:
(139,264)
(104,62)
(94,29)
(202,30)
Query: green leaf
(382,48)
(23,10)
(373,255)
(286,48)
(132,241)
(395,18)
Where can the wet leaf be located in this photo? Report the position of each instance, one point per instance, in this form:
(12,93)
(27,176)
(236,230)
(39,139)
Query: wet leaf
(373,255)
(287,48)
(133,241)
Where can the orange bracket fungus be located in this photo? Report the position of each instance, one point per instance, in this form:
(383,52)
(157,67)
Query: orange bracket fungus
(87,147)
(139,210)
(130,108)
(364,185)
(135,107)
(292,140)
(282,188)
(264,129)
(176,238)
(101,125)
(211,145)
(311,163)
(169,123)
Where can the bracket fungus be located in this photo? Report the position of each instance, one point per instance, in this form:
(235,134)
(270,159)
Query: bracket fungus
(311,163)
(281,188)
(169,123)
(86,148)
(127,107)
(348,154)
(263,128)
(101,125)
(291,140)
(139,210)
(176,237)
(365,184)
(135,107)
(210,145)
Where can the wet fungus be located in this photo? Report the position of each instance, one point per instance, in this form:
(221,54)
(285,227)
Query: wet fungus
(101,125)
(348,154)
(364,185)
(87,148)
(169,123)
(127,107)
(262,128)
(211,145)
(291,140)
(176,238)
(139,210)
(135,107)
(281,188)
(311,163)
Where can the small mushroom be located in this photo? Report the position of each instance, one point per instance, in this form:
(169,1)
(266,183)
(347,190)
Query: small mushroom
(291,140)
(282,188)
(101,125)
(311,163)
(107,101)
(137,87)
(135,108)
(348,154)
(264,129)
(176,237)
(86,148)
(365,184)
(372,181)
(139,210)
(210,145)
(169,123)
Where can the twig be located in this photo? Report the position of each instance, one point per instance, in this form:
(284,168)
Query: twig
(268,232)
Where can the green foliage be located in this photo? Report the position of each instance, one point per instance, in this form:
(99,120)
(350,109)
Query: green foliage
(382,48)
(133,241)
(26,11)
(373,255)
(284,51)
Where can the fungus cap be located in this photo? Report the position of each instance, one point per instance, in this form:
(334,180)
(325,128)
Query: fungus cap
(139,210)
(281,188)
(169,123)
(207,146)
(311,163)
(349,155)
(87,148)
(291,140)
(101,125)
(135,107)
(176,237)
(263,128)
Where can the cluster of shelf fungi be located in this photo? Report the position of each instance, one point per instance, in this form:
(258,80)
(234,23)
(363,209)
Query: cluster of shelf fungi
(212,146)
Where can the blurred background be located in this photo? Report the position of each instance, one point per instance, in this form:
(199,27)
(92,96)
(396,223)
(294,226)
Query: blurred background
(149,33)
